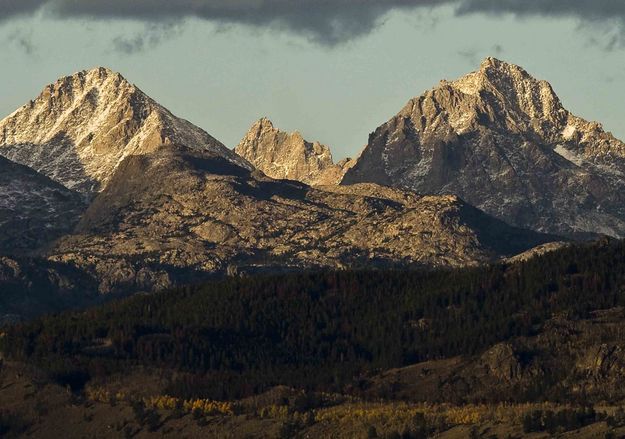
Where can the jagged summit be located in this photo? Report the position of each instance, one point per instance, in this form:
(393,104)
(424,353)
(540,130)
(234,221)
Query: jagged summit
(284,155)
(82,126)
(264,123)
(499,82)
(501,139)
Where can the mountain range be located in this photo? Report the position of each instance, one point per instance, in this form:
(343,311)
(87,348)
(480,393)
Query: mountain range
(102,180)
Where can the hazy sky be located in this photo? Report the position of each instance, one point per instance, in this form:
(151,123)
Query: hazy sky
(332,70)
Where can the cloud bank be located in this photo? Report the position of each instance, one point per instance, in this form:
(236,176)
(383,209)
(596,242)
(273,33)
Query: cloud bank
(327,22)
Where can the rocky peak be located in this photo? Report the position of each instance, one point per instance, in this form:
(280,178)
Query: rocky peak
(82,126)
(284,155)
(262,125)
(101,78)
(499,94)
(501,139)
(510,88)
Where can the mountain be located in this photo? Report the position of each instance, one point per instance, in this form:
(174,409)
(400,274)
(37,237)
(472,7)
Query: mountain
(501,140)
(208,216)
(34,210)
(282,155)
(81,127)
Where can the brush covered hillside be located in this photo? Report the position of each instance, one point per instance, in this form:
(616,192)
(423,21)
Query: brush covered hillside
(508,349)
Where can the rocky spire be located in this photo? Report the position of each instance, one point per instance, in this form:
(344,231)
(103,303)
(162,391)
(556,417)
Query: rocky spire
(284,155)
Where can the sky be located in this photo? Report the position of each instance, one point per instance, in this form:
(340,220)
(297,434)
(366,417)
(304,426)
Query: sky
(333,70)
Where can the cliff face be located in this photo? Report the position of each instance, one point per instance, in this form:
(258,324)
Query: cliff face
(281,155)
(501,140)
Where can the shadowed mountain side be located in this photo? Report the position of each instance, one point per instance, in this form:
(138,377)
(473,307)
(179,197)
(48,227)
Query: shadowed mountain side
(490,230)
(34,210)
(45,159)
(177,211)
(32,286)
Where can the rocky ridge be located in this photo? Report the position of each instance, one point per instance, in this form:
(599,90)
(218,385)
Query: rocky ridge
(567,359)
(284,155)
(501,140)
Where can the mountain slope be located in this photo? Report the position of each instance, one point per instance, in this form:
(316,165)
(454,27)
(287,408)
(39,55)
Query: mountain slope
(81,127)
(208,216)
(501,140)
(288,156)
(34,210)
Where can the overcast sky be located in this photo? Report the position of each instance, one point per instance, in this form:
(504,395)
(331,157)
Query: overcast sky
(332,69)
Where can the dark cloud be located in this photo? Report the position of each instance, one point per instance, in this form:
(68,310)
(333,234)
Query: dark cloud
(11,8)
(587,9)
(327,22)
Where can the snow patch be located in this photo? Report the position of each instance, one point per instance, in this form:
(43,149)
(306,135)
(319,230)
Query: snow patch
(569,131)
(569,155)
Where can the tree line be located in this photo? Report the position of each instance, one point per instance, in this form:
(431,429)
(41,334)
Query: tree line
(323,330)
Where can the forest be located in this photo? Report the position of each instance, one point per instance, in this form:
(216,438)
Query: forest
(318,331)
